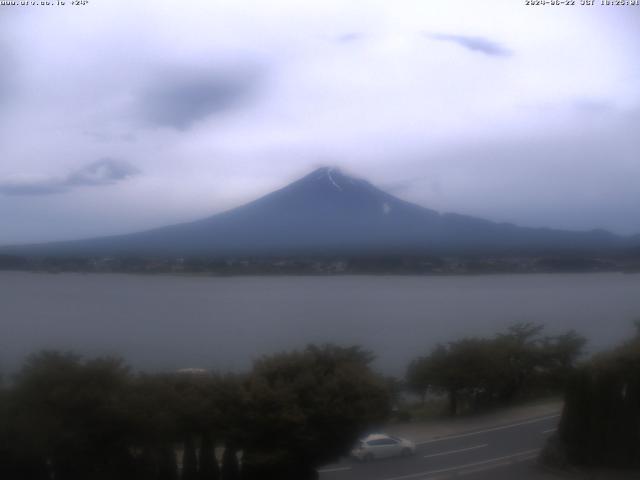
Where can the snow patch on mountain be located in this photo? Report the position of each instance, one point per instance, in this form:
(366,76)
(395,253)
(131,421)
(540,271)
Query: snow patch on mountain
(332,180)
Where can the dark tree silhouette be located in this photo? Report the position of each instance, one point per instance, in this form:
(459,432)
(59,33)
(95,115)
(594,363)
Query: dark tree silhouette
(70,419)
(72,413)
(485,371)
(308,408)
(209,469)
(230,467)
(600,424)
(189,460)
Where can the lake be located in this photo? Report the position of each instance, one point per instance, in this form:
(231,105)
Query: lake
(168,322)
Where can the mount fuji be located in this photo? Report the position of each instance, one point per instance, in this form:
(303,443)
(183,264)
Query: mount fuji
(329,212)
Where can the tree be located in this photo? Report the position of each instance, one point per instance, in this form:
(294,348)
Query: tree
(308,408)
(167,468)
(600,424)
(466,369)
(560,356)
(229,417)
(71,413)
(168,412)
(195,407)
(230,468)
(484,371)
(17,459)
(189,460)
(519,349)
(209,469)
(418,377)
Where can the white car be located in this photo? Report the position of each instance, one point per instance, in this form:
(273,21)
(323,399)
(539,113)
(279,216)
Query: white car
(380,445)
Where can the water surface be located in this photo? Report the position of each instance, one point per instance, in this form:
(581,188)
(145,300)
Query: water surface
(167,322)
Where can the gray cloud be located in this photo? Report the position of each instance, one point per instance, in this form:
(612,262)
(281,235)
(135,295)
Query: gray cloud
(427,183)
(31,187)
(593,106)
(178,99)
(4,83)
(104,137)
(350,37)
(102,172)
(476,44)
(10,21)
(271,88)
(8,68)
(398,187)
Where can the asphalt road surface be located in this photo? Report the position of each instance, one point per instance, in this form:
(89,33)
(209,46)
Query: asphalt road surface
(502,452)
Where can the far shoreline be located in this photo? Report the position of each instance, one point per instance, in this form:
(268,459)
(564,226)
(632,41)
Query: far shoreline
(317,275)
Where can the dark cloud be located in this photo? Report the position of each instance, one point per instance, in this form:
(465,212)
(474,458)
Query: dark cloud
(31,187)
(178,99)
(106,171)
(476,44)
(349,37)
(103,172)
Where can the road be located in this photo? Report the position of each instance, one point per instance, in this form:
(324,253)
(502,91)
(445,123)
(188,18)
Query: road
(501,452)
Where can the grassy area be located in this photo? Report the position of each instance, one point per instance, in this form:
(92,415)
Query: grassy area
(437,408)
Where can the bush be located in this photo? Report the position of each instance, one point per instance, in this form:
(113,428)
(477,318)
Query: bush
(600,425)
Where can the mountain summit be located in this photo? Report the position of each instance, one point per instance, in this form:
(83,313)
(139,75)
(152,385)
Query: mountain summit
(329,212)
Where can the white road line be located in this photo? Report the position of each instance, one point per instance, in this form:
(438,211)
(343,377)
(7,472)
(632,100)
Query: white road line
(450,452)
(493,466)
(337,469)
(483,468)
(544,432)
(494,429)
(522,454)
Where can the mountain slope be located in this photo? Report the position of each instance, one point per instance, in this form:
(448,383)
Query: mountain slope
(329,212)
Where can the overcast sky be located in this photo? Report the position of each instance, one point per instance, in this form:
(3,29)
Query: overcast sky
(123,115)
